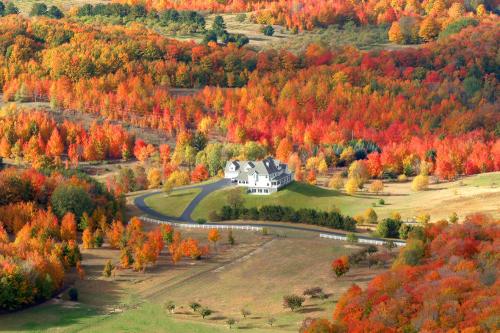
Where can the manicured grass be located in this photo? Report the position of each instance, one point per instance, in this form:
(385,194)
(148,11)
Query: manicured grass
(296,195)
(175,203)
(463,196)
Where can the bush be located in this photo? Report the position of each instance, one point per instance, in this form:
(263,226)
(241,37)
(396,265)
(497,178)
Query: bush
(201,221)
(241,17)
(293,302)
(73,294)
(315,292)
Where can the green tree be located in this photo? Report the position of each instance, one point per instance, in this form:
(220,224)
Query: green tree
(55,12)
(389,228)
(11,9)
(205,312)
(219,27)
(38,9)
(71,198)
(108,269)
(293,302)
(268,30)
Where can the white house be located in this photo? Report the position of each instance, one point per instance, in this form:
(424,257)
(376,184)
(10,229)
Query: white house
(260,177)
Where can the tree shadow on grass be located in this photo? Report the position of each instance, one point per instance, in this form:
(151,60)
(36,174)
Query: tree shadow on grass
(96,298)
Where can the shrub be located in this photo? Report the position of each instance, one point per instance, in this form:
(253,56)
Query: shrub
(241,17)
(381,202)
(293,302)
(201,221)
(315,292)
(73,294)
(169,306)
(420,183)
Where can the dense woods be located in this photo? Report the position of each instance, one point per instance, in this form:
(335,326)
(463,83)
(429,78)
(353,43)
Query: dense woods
(38,230)
(443,280)
(415,18)
(335,106)
(37,138)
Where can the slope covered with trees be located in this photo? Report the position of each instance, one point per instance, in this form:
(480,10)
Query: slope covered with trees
(396,109)
(39,218)
(443,280)
(417,18)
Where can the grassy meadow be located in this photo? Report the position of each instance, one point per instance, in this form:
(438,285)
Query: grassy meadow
(134,301)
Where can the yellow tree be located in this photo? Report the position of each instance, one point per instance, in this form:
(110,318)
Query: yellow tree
(55,146)
(377,186)
(395,34)
(358,170)
(154,177)
(336,182)
(352,185)
(429,28)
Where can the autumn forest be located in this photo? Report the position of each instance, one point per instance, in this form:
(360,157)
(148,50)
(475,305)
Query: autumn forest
(106,104)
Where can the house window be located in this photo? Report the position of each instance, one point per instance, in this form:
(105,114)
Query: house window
(266,191)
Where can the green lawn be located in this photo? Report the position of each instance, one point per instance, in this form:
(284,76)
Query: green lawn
(174,204)
(60,318)
(296,195)
(484,179)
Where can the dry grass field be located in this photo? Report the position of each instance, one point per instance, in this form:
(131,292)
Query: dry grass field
(253,274)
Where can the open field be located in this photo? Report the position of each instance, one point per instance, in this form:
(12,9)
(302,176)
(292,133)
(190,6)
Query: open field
(133,301)
(173,204)
(471,194)
(25,5)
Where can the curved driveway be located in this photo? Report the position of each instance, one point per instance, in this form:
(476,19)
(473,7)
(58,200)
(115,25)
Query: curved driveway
(206,189)
(209,188)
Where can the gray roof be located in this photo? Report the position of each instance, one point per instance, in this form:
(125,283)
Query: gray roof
(267,166)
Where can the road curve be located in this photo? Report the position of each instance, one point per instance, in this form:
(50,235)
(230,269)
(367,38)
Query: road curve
(209,188)
(206,189)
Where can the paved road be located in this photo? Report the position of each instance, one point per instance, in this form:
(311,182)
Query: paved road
(206,189)
(209,188)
